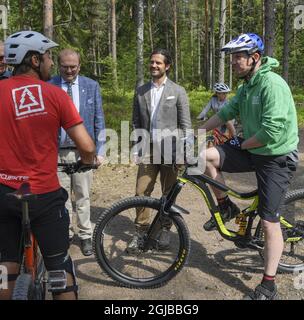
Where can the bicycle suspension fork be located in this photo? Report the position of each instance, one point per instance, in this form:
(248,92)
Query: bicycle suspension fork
(167,201)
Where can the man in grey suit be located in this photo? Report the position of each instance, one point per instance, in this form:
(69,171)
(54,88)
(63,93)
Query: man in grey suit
(86,96)
(159,104)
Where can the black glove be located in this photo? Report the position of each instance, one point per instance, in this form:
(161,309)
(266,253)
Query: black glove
(235,142)
(82,167)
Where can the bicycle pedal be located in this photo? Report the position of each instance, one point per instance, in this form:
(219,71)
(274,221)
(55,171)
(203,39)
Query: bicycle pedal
(57,280)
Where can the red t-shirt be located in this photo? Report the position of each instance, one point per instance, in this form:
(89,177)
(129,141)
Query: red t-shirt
(31,113)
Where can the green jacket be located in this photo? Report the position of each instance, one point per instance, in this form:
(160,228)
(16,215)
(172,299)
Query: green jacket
(266,108)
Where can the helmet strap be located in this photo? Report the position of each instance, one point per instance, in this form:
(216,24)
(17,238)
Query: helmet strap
(37,69)
(250,73)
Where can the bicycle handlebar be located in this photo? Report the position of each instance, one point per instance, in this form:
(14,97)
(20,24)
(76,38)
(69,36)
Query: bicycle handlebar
(73,167)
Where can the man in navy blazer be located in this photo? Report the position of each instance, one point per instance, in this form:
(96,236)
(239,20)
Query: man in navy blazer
(86,96)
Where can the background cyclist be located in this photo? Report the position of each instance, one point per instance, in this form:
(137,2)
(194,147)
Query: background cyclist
(266,108)
(216,103)
(31,113)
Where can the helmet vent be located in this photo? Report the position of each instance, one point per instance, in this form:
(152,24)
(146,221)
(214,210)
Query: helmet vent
(46,41)
(14,46)
(16,35)
(29,35)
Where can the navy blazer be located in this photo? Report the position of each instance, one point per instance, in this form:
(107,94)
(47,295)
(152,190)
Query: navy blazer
(90,109)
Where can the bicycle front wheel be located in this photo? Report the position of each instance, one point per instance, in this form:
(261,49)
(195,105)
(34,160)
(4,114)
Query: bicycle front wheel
(148,268)
(292,258)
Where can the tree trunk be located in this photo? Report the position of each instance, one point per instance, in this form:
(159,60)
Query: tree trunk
(21,16)
(140,44)
(199,50)
(175,39)
(212,45)
(263,19)
(242,15)
(4,18)
(222,22)
(269,27)
(286,40)
(95,26)
(113,43)
(207,60)
(109,8)
(230,37)
(150,26)
(48,18)
(191,43)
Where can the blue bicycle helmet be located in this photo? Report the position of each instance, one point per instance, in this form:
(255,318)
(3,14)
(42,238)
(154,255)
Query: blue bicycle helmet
(247,42)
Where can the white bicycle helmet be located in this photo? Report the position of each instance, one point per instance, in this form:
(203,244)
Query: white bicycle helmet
(221,87)
(17,45)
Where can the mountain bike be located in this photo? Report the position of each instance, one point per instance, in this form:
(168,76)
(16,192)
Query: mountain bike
(34,280)
(216,137)
(152,267)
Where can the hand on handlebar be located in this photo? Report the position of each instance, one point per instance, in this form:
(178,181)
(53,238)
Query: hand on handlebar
(83,167)
(235,142)
(99,160)
(203,119)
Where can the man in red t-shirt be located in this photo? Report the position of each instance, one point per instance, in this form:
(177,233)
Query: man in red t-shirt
(31,113)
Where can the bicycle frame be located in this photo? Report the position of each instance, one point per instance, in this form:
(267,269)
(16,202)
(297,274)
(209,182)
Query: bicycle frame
(217,138)
(32,261)
(248,215)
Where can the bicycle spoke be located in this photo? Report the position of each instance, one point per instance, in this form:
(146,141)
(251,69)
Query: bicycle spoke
(147,266)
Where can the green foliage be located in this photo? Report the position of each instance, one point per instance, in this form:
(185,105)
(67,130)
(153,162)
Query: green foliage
(299,102)
(118,107)
(89,32)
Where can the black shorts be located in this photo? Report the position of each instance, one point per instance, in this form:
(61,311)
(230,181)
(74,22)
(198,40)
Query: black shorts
(49,224)
(273,175)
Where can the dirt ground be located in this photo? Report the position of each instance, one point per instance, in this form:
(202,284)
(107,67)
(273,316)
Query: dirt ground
(216,269)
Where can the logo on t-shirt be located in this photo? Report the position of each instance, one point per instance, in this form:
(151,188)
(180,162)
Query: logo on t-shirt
(256,99)
(28,100)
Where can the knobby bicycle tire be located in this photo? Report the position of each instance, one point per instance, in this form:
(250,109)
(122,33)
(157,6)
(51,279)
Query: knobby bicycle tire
(293,211)
(23,289)
(152,268)
(27,289)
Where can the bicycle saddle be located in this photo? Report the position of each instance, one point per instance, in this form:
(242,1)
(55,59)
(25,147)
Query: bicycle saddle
(23,193)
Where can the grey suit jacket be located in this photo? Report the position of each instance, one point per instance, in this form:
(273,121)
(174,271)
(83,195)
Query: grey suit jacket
(172,113)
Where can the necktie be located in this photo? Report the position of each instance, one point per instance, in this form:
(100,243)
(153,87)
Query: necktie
(69,91)
(66,140)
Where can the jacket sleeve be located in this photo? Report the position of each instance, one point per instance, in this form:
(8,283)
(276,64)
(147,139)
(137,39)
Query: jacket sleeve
(275,103)
(183,110)
(183,116)
(231,109)
(205,110)
(99,122)
(136,123)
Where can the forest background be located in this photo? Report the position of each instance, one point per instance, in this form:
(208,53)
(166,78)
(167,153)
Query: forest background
(116,37)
